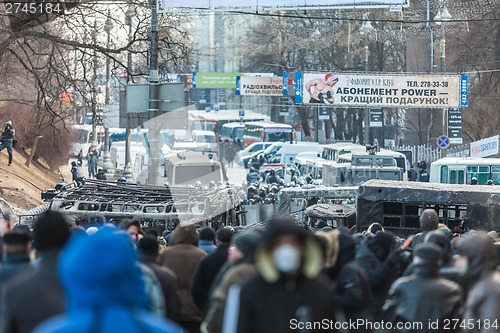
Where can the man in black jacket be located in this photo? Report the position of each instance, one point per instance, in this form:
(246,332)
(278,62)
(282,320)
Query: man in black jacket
(351,284)
(147,249)
(424,297)
(31,298)
(380,259)
(208,268)
(7,139)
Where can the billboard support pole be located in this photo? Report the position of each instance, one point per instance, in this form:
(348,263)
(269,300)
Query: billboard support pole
(316,124)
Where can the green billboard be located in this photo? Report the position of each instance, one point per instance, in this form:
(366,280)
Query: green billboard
(215,80)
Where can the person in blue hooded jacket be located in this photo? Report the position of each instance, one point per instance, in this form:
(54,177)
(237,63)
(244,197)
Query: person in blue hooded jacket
(104,289)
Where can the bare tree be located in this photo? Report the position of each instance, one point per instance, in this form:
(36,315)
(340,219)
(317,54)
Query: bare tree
(45,57)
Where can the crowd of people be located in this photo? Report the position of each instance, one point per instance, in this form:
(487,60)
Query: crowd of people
(92,159)
(283,277)
(228,150)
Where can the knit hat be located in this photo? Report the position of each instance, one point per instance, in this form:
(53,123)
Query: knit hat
(224,235)
(92,230)
(127,222)
(148,246)
(247,242)
(51,231)
(428,254)
(383,239)
(13,238)
(374,227)
(207,234)
(429,220)
(23,229)
(436,237)
(493,235)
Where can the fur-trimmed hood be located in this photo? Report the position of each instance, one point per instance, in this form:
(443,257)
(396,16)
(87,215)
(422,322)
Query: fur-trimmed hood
(312,256)
(331,243)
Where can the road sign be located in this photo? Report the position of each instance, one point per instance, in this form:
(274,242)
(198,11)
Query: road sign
(376,117)
(455,126)
(242,113)
(323,114)
(443,141)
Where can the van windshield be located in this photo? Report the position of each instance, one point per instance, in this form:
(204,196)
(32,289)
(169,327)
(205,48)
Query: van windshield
(189,174)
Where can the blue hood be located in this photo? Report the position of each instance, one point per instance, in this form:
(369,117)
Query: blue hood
(101,270)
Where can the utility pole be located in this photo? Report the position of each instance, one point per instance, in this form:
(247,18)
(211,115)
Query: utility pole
(443,15)
(366,28)
(154,103)
(93,83)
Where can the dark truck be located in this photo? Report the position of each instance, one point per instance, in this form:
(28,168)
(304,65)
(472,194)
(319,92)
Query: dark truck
(397,205)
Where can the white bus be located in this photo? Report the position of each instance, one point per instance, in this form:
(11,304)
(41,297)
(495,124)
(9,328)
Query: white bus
(214,120)
(461,170)
(267,132)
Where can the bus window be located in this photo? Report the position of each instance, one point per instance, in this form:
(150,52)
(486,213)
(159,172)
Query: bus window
(238,133)
(444,174)
(453,176)
(457,177)
(495,175)
(482,173)
(279,136)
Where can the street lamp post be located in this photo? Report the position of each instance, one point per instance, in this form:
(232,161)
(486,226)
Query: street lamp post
(129,14)
(93,89)
(107,164)
(365,29)
(442,16)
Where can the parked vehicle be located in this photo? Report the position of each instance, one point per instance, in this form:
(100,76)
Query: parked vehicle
(243,156)
(267,132)
(461,170)
(397,205)
(187,168)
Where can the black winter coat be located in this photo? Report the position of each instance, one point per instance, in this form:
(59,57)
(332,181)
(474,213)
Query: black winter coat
(277,307)
(205,274)
(168,282)
(422,298)
(380,275)
(32,298)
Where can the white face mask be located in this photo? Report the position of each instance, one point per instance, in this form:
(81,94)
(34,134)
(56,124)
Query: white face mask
(286,258)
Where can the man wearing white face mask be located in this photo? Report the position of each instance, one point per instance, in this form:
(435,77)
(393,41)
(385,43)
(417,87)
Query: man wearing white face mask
(286,294)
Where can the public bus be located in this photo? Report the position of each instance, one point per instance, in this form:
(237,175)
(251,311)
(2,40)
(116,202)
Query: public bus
(461,170)
(213,120)
(232,131)
(267,132)
(397,205)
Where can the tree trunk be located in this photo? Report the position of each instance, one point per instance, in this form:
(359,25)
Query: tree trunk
(304,120)
(32,153)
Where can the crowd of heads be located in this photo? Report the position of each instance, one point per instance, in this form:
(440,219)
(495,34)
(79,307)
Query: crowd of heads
(106,264)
